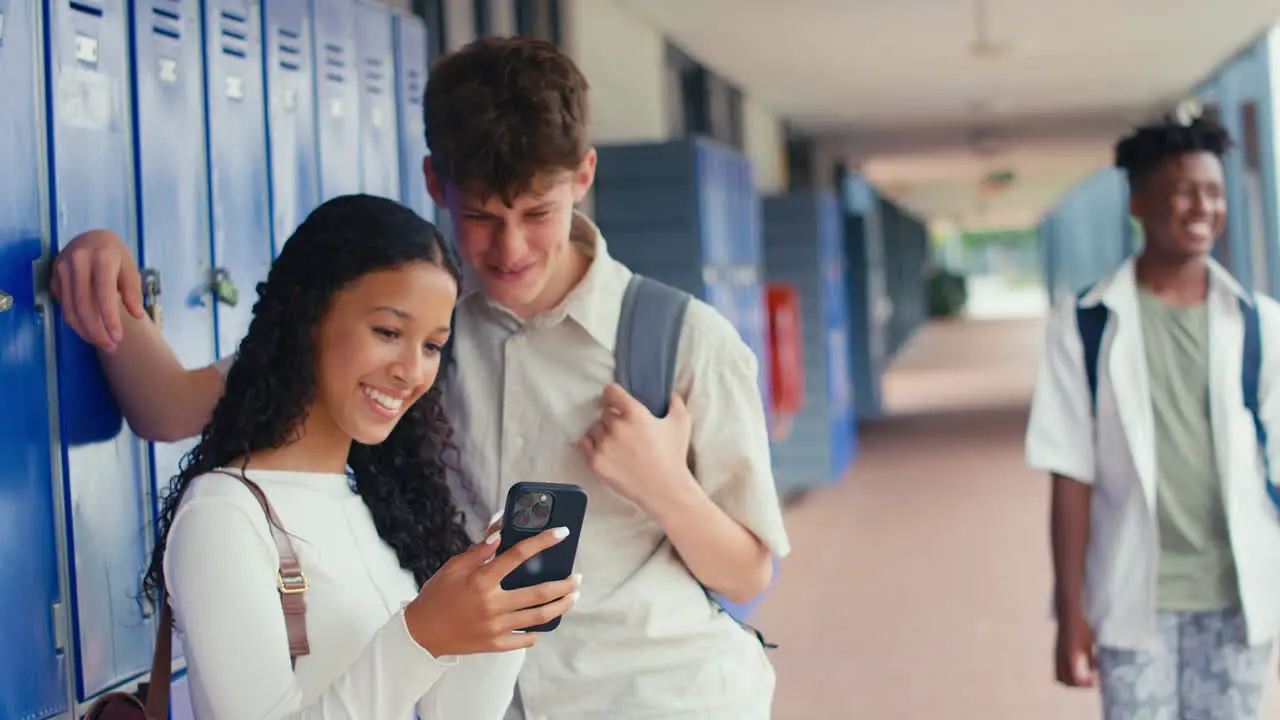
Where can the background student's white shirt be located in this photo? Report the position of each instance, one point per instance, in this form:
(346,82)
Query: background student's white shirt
(1117,455)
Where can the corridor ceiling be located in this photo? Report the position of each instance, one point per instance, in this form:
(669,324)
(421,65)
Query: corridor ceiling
(928,97)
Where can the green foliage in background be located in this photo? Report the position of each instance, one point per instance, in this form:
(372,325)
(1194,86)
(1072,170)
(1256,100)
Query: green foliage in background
(948,293)
(1013,239)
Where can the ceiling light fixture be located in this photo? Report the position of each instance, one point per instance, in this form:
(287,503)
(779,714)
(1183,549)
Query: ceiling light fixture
(984,48)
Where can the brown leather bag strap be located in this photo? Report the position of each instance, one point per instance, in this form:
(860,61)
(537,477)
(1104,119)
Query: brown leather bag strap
(157,701)
(291,581)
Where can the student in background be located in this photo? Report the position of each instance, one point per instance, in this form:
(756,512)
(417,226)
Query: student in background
(1166,545)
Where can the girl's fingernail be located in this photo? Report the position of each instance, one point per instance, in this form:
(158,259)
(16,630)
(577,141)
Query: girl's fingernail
(561,532)
(577,579)
(573,597)
(492,538)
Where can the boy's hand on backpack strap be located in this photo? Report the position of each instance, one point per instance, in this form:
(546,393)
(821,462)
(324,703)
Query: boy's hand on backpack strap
(641,457)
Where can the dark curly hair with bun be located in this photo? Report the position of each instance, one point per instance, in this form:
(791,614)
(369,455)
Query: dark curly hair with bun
(1149,145)
(501,111)
(273,383)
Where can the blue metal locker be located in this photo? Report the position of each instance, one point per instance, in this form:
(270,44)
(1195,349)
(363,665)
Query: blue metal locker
(33,669)
(795,255)
(291,118)
(337,98)
(93,185)
(379,126)
(868,304)
(411,82)
(237,163)
(173,204)
(832,270)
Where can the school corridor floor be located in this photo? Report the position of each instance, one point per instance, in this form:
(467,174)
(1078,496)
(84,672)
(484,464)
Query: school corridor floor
(918,589)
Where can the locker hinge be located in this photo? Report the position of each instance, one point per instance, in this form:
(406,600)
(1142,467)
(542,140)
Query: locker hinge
(59,627)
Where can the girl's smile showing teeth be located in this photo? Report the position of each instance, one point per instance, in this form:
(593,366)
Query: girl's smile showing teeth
(388,404)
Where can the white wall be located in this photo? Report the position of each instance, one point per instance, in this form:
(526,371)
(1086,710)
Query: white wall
(765,145)
(459,23)
(624,60)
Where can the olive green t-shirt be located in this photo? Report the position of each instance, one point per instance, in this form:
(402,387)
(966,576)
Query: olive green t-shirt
(1196,568)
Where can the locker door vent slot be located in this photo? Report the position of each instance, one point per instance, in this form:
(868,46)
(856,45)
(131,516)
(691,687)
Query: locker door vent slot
(335,58)
(86,7)
(235,34)
(413,87)
(290,50)
(166,20)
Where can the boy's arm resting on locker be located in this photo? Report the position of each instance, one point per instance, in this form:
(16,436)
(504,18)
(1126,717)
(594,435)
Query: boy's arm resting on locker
(727,523)
(161,400)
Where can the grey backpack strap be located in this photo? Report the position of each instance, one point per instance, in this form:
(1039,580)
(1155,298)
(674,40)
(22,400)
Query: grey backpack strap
(648,337)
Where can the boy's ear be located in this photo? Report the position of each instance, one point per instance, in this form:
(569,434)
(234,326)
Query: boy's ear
(435,188)
(585,175)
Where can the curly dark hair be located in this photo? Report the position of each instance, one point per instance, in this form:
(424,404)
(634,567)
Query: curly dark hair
(273,381)
(501,111)
(1149,145)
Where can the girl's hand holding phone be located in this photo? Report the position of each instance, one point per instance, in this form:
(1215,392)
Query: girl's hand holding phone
(463,610)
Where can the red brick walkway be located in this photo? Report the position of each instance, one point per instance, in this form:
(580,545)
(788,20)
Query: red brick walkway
(918,589)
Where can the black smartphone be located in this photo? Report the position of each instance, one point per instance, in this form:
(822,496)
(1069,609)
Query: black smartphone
(532,508)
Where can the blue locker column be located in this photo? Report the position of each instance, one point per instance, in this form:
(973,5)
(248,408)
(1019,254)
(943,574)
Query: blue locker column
(803,248)
(289,61)
(868,302)
(93,187)
(746,252)
(686,213)
(379,126)
(173,201)
(337,95)
(833,272)
(237,163)
(411,82)
(33,669)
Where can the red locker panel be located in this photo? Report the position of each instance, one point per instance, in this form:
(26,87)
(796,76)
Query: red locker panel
(787,359)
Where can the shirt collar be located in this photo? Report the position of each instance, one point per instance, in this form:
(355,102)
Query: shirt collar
(1122,284)
(594,303)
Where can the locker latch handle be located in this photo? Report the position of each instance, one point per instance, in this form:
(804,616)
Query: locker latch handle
(6,301)
(223,289)
(151,294)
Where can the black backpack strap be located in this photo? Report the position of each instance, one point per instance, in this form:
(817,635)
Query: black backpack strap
(1091,322)
(1250,378)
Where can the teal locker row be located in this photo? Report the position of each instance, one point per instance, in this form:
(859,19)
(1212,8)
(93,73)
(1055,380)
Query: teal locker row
(203,132)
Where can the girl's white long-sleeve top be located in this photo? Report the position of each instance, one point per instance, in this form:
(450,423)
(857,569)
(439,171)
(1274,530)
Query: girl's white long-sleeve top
(221,572)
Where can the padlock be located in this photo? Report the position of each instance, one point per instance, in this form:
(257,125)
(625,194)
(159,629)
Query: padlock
(224,289)
(151,296)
